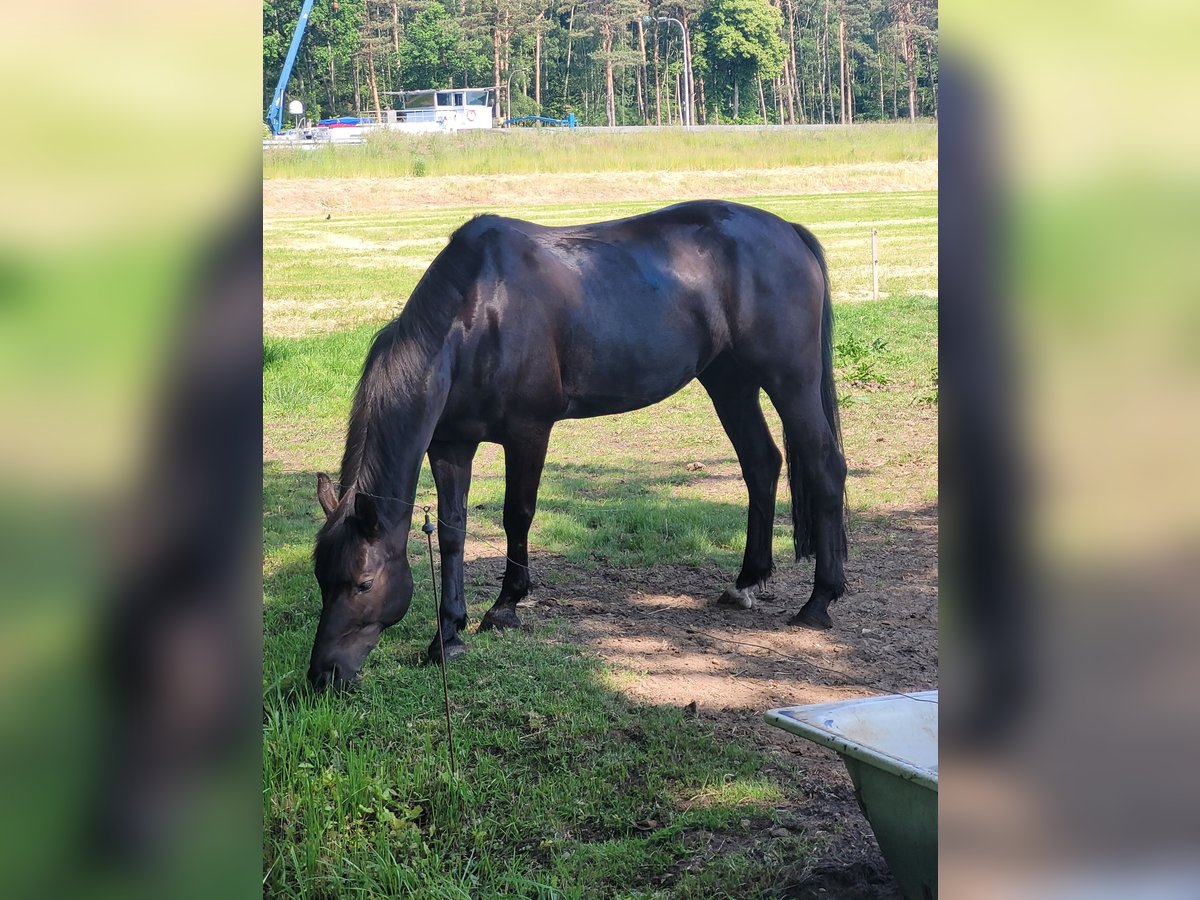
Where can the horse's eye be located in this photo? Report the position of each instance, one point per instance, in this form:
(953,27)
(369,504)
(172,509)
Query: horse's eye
(364,586)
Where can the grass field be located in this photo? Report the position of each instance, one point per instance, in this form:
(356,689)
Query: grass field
(524,151)
(359,267)
(567,786)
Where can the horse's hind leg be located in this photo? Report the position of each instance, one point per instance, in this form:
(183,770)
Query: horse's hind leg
(817,471)
(524,458)
(735,397)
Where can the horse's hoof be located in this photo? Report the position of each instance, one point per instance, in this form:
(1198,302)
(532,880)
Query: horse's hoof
(500,619)
(811,618)
(738,598)
(452,651)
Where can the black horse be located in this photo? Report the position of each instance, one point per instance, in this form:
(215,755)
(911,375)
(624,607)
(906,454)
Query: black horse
(515,326)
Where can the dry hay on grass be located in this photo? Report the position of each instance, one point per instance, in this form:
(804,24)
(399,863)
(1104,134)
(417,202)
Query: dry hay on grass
(312,196)
(299,318)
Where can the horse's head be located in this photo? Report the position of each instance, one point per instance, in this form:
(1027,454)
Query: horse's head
(366,584)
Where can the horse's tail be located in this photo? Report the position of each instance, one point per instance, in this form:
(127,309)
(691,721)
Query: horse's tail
(803,514)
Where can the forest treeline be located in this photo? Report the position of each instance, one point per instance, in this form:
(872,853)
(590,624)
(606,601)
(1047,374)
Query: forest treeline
(750,61)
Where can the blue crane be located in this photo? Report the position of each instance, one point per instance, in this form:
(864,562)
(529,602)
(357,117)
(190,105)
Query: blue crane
(275,113)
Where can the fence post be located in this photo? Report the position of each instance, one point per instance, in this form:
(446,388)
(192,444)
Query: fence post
(874,266)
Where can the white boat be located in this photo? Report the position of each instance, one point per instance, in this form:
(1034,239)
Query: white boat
(428,111)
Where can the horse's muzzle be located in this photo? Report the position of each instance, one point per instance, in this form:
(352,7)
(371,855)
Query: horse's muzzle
(336,677)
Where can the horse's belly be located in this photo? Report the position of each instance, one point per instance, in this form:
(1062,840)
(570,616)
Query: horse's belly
(599,404)
(611,390)
(636,349)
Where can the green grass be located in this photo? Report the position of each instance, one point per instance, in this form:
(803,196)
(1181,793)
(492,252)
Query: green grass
(617,490)
(321,274)
(566,788)
(561,775)
(544,151)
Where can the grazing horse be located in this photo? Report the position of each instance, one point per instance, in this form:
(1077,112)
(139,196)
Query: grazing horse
(515,326)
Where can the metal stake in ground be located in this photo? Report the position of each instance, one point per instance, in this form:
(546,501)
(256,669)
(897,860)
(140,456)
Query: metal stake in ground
(428,528)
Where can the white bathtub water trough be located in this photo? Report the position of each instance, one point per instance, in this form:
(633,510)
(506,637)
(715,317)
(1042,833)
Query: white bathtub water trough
(890,747)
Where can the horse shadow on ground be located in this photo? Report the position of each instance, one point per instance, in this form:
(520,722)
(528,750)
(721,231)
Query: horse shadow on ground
(647,567)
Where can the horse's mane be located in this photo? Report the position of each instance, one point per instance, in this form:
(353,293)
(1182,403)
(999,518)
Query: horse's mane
(396,373)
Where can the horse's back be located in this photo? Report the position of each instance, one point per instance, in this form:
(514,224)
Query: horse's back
(694,249)
(616,315)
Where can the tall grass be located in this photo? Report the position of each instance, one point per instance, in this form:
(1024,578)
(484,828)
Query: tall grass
(556,151)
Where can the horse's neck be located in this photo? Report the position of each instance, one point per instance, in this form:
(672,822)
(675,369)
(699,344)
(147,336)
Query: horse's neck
(394,430)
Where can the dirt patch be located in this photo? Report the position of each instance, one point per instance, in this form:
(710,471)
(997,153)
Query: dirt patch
(668,643)
(861,880)
(322,196)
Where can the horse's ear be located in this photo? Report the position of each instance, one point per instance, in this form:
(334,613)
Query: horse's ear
(325,495)
(366,513)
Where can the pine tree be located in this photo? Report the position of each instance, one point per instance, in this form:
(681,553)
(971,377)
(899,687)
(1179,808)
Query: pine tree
(801,60)
(744,42)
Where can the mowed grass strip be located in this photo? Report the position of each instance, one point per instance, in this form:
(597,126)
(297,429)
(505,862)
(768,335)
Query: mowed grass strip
(566,788)
(326,274)
(553,151)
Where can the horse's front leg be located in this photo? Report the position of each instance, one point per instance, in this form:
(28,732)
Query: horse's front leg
(451,465)
(524,458)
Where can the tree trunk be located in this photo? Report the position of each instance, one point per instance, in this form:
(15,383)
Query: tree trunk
(793,77)
(932,84)
(690,77)
(735,98)
(826,86)
(849,91)
(762,100)
(829,80)
(396,27)
(801,96)
(657,83)
(643,74)
(357,84)
(910,63)
(879,59)
(912,86)
(496,67)
(703,105)
(374,85)
(331,89)
(537,68)
(624,95)
(842,68)
(567,75)
(610,100)
(783,94)
(895,83)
